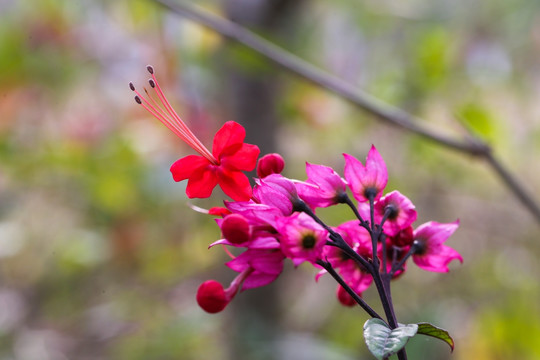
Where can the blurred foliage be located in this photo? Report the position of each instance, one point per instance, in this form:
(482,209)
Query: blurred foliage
(100,256)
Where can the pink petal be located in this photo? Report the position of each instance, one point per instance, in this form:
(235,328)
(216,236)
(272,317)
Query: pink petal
(437,262)
(228,139)
(258,279)
(183,168)
(325,177)
(376,172)
(436,233)
(373,176)
(235,184)
(353,172)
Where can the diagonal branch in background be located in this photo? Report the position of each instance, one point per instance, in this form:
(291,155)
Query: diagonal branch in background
(385,112)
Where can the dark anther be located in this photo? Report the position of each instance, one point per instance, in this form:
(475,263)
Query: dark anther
(308,242)
(131,86)
(152,83)
(419,246)
(138,99)
(392,211)
(150,69)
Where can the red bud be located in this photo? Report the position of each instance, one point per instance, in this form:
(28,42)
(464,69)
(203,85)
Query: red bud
(235,228)
(270,164)
(344,297)
(211,297)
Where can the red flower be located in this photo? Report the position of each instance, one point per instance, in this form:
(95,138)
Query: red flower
(230,158)
(223,166)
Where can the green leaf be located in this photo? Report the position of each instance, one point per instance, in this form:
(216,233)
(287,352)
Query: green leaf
(383,341)
(433,331)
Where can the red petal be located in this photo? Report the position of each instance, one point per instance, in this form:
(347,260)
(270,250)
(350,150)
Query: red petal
(235,184)
(183,168)
(201,183)
(228,139)
(244,159)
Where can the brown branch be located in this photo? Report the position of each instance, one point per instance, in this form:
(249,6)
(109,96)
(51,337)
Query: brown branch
(385,112)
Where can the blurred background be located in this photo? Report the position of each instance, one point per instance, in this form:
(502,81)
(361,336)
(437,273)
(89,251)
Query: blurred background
(100,254)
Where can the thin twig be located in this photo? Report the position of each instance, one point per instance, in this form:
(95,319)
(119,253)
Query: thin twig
(385,112)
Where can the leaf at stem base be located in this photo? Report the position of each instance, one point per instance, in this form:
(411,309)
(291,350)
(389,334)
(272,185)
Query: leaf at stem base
(383,341)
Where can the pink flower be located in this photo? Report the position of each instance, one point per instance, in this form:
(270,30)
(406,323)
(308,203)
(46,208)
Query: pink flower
(302,239)
(277,191)
(260,215)
(263,267)
(225,165)
(324,187)
(431,253)
(400,212)
(366,181)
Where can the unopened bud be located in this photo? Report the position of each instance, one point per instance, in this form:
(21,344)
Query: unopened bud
(211,297)
(344,297)
(270,164)
(235,228)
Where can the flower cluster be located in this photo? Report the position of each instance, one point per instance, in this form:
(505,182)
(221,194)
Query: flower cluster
(276,219)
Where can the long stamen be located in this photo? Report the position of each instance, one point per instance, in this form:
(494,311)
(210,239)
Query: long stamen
(155,85)
(169,117)
(187,135)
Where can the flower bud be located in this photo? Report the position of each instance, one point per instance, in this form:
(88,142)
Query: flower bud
(235,228)
(270,164)
(211,297)
(344,297)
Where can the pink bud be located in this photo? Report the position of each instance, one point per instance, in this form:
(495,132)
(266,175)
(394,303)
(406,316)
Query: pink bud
(344,297)
(211,297)
(270,164)
(235,228)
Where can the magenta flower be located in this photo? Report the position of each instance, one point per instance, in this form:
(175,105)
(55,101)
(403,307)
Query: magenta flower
(369,180)
(225,165)
(431,253)
(277,191)
(260,215)
(302,239)
(263,267)
(400,212)
(323,188)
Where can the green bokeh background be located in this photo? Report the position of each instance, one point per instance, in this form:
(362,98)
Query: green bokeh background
(100,254)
